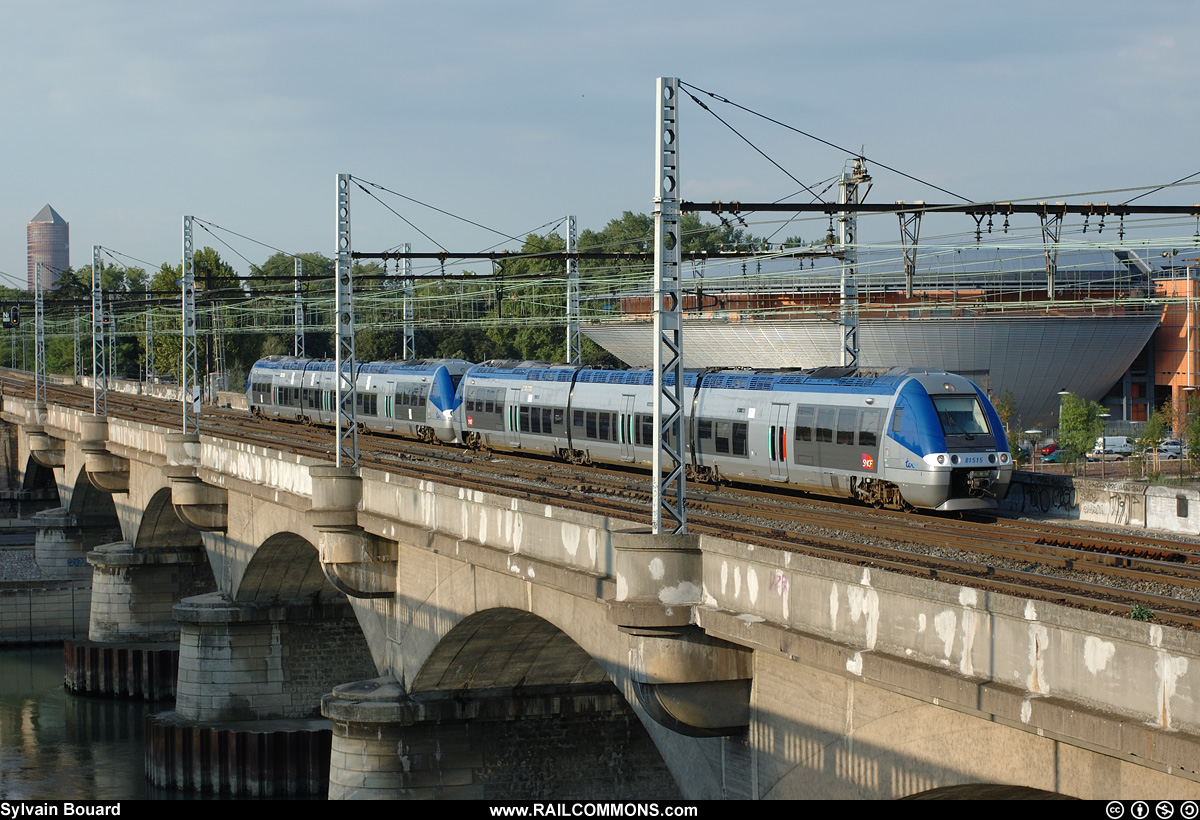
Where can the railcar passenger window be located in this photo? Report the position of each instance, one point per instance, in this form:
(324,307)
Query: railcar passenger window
(591,424)
(740,431)
(804,423)
(825,425)
(524,414)
(546,427)
(704,429)
(847,422)
(723,437)
(558,417)
(490,402)
(577,418)
(605,427)
(868,431)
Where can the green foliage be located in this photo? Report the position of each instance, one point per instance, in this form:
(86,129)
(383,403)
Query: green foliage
(1081,425)
(1141,613)
(1006,409)
(1153,434)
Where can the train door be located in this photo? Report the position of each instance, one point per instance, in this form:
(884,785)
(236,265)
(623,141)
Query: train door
(511,424)
(625,428)
(777,445)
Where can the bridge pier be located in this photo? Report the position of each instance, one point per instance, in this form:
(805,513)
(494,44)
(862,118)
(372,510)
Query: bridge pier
(247,700)
(558,741)
(132,648)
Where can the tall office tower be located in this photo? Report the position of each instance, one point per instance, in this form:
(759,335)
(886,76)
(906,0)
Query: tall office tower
(48,240)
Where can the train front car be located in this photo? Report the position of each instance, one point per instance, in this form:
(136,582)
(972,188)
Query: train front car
(945,447)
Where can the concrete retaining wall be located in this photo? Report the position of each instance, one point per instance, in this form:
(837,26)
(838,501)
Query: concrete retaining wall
(1126,503)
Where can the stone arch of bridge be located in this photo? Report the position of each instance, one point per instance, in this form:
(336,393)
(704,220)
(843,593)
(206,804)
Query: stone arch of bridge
(506,648)
(161,527)
(285,569)
(90,503)
(37,477)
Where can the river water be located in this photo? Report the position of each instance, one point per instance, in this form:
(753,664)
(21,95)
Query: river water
(55,746)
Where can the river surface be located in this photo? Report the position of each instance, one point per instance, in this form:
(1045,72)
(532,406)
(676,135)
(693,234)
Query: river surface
(55,746)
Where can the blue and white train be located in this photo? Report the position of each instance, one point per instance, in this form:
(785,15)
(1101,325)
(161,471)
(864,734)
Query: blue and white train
(415,398)
(904,438)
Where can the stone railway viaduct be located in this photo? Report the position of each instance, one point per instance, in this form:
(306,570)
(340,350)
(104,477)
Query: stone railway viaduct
(464,644)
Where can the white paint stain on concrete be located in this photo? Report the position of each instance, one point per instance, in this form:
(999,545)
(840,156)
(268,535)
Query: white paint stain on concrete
(864,603)
(920,623)
(529,571)
(657,569)
(737,581)
(1026,710)
(833,606)
(518,529)
(1169,670)
(945,623)
(1030,611)
(622,587)
(570,537)
(1039,646)
(751,619)
(1156,635)
(968,597)
(592,540)
(854,665)
(970,620)
(866,578)
(483,524)
(1097,654)
(549,513)
(752,584)
(685,592)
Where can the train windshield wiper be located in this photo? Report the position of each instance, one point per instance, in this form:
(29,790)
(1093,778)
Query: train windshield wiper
(947,418)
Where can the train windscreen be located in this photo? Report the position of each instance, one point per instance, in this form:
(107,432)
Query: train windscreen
(960,415)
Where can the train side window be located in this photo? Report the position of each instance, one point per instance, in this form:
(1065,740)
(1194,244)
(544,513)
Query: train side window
(591,424)
(489,401)
(704,429)
(722,436)
(740,433)
(868,431)
(804,423)
(524,419)
(825,418)
(558,418)
(846,424)
(896,417)
(546,426)
(577,418)
(605,427)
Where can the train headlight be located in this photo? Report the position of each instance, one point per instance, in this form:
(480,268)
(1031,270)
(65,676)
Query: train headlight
(953,459)
(991,458)
(941,459)
(1004,458)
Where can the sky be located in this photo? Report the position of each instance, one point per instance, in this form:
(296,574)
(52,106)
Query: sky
(126,115)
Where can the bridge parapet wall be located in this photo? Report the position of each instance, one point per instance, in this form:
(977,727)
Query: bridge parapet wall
(1119,685)
(541,532)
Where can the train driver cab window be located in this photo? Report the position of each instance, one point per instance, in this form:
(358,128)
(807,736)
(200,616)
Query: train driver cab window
(960,415)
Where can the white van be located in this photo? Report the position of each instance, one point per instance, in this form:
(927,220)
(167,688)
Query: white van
(1113,447)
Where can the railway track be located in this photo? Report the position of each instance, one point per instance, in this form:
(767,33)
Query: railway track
(1119,573)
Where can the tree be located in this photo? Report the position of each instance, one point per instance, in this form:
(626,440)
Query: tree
(1081,425)
(1153,434)
(1006,409)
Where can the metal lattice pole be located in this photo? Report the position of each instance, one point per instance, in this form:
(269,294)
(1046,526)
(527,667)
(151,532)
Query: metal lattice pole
(574,355)
(99,366)
(1051,231)
(848,235)
(910,234)
(149,338)
(669,489)
(189,373)
(75,348)
(299,345)
(346,397)
(410,337)
(39,345)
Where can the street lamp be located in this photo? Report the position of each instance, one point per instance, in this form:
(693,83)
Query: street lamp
(1034,452)
(1103,441)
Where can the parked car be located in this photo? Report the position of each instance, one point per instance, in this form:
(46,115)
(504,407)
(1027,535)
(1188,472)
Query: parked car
(1049,449)
(1056,457)
(1171,448)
